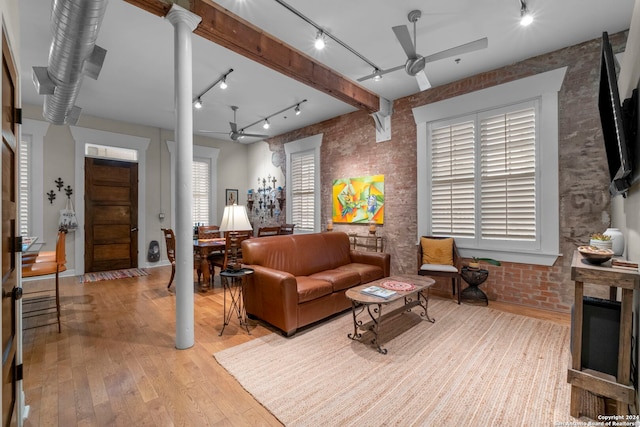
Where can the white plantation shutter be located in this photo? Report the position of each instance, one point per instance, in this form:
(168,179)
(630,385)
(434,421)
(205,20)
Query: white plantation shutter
(25,187)
(201,192)
(303,177)
(453,179)
(508,176)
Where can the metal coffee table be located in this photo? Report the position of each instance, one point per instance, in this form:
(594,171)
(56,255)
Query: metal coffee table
(370,307)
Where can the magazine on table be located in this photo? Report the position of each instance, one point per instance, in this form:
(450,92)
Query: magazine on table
(379,292)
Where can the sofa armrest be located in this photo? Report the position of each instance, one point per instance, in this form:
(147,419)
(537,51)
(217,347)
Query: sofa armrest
(272,295)
(380,259)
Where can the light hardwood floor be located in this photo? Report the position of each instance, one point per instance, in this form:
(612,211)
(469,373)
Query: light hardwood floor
(115,362)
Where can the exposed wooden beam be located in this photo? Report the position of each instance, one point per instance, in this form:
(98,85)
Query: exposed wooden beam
(228,30)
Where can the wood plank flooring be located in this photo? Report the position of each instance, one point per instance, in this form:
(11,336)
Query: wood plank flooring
(115,362)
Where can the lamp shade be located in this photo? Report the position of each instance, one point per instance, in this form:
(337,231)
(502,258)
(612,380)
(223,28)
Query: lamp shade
(235,218)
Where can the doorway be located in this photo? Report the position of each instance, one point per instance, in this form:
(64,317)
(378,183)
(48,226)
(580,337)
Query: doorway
(111,215)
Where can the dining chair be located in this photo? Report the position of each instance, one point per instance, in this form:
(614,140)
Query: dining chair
(170,240)
(268,231)
(208,231)
(287,228)
(221,259)
(39,303)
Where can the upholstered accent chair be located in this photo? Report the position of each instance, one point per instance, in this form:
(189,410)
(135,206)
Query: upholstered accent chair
(439,257)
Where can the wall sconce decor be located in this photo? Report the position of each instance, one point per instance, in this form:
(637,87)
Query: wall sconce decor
(51,196)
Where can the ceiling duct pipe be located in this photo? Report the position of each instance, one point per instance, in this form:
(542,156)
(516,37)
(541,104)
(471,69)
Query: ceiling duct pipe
(73,54)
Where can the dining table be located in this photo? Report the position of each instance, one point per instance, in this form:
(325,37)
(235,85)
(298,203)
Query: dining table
(204,247)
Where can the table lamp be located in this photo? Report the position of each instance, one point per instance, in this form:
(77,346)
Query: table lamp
(234,219)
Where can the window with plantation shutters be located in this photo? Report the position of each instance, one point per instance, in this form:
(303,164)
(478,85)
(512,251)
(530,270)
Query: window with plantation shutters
(508,175)
(487,169)
(483,176)
(303,190)
(25,187)
(201,191)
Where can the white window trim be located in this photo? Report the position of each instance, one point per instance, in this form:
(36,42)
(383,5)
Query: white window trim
(85,135)
(37,130)
(305,144)
(202,153)
(543,86)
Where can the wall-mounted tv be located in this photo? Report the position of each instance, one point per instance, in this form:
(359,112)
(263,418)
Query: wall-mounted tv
(619,124)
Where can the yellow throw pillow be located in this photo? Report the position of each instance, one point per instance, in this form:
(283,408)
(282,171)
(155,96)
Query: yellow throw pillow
(437,251)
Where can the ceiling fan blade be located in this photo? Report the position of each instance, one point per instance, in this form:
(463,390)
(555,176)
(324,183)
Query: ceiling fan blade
(403,36)
(253,135)
(381,72)
(423,81)
(213,131)
(459,50)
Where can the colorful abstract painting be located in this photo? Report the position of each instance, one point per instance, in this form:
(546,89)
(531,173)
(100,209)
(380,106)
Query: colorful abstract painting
(359,200)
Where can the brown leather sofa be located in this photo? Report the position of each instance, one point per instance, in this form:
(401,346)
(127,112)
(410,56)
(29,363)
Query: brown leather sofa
(302,278)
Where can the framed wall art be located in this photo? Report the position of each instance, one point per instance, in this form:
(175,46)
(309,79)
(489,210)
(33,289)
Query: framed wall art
(358,200)
(231,196)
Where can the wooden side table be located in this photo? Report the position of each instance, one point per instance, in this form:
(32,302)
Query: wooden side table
(233,281)
(618,388)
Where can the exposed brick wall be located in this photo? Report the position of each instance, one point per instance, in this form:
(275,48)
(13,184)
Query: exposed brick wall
(349,150)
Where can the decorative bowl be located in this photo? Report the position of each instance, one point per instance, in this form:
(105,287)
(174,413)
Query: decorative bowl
(595,255)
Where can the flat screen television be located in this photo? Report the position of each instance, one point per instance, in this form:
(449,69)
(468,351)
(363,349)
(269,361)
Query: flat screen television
(618,124)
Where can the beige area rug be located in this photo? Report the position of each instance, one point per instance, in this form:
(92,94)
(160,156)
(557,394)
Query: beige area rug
(473,367)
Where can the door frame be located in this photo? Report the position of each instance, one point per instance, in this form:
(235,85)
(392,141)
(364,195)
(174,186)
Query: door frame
(84,136)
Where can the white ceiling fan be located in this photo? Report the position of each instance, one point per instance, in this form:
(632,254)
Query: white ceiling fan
(236,134)
(415,63)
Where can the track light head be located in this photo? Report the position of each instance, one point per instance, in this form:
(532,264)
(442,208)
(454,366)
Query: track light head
(223,83)
(526,17)
(266,124)
(198,103)
(297,110)
(378,76)
(319,43)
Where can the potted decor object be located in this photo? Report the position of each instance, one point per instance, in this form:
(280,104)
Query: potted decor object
(617,240)
(475,262)
(601,241)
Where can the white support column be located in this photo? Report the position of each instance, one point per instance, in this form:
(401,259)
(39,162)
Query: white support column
(184,22)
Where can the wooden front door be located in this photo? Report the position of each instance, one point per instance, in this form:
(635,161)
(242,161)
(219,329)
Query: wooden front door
(9,227)
(111,215)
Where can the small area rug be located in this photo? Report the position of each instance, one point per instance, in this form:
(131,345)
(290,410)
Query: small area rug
(474,366)
(112,275)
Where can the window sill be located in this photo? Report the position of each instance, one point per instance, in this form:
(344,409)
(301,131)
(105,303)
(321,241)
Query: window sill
(537,258)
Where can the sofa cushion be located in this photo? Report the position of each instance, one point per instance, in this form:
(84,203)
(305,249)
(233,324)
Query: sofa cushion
(339,279)
(367,272)
(310,288)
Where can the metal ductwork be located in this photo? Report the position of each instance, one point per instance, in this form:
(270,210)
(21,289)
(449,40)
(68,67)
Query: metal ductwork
(73,54)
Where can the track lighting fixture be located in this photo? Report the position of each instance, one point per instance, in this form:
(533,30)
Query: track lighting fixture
(323,33)
(377,75)
(197,101)
(319,43)
(526,17)
(265,121)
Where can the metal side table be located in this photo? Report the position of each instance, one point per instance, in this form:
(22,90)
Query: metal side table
(473,294)
(233,281)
